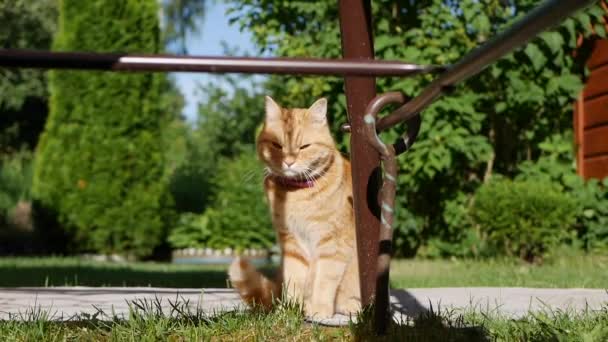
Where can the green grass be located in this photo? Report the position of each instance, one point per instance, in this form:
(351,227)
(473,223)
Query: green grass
(148,322)
(56,271)
(566,271)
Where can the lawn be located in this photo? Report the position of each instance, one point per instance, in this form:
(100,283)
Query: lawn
(286,323)
(578,271)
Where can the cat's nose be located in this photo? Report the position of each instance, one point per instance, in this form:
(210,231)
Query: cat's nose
(289,160)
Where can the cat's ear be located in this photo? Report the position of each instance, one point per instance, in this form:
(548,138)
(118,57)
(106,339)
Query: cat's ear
(318,111)
(273,110)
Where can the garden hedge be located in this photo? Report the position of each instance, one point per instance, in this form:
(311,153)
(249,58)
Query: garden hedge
(99,164)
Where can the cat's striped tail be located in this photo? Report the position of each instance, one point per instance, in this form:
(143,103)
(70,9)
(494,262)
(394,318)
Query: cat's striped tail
(255,289)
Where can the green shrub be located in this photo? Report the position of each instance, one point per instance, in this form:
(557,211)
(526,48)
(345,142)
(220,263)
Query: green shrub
(592,213)
(192,230)
(238,216)
(100,161)
(15,181)
(190,184)
(523,218)
(407,231)
(591,197)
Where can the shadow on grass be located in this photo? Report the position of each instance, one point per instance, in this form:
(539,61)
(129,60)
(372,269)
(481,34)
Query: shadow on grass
(419,324)
(16,275)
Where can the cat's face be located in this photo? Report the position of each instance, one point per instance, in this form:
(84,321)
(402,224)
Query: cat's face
(295,143)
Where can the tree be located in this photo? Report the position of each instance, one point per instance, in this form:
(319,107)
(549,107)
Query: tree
(219,185)
(182,17)
(100,164)
(23,92)
(228,117)
(490,124)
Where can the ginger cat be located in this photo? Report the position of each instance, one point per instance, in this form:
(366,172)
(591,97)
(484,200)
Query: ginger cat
(309,190)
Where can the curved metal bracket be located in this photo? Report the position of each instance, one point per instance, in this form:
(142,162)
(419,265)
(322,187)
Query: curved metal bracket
(406,141)
(388,155)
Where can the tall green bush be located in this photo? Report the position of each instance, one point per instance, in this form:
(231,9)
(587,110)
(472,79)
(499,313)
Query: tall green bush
(100,160)
(523,218)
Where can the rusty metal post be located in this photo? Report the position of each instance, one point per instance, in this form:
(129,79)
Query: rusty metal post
(357,42)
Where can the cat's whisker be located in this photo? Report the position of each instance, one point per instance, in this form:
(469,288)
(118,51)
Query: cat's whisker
(307,174)
(249,175)
(310,175)
(268,172)
(315,179)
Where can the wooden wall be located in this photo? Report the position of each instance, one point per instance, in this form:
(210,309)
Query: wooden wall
(591,117)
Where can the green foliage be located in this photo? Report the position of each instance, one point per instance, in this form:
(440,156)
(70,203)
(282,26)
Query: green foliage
(228,114)
(15,181)
(190,183)
(523,218)
(489,124)
(591,197)
(25,25)
(192,230)
(218,186)
(238,216)
(23,92)
(181,18)
(100,162)
(592,213)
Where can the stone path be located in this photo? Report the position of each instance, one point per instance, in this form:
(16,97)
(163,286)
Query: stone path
(65,303)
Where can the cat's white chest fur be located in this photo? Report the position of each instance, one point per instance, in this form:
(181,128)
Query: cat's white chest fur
(296,216)
(305,232)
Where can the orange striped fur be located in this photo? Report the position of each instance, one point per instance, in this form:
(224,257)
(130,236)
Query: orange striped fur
(315,225)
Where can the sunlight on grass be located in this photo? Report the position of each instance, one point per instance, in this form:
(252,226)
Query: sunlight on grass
(149,320)
(575,271)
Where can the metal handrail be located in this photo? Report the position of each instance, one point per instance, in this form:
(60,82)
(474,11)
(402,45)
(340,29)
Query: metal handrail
(126,62)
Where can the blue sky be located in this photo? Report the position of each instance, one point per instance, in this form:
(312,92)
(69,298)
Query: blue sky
(209,43)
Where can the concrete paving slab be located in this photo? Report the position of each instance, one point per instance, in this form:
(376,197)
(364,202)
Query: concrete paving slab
(64,303)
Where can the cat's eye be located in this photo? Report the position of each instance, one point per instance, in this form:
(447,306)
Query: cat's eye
(304,146)
(276,145)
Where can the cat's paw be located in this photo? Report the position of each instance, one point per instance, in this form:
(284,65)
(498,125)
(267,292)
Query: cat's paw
(349,307)
(320,311)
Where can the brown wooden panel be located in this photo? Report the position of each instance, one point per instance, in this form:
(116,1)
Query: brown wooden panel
(599,56)
(597,83)
(595,141)
(596,167)
(578,115)
(596,111)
